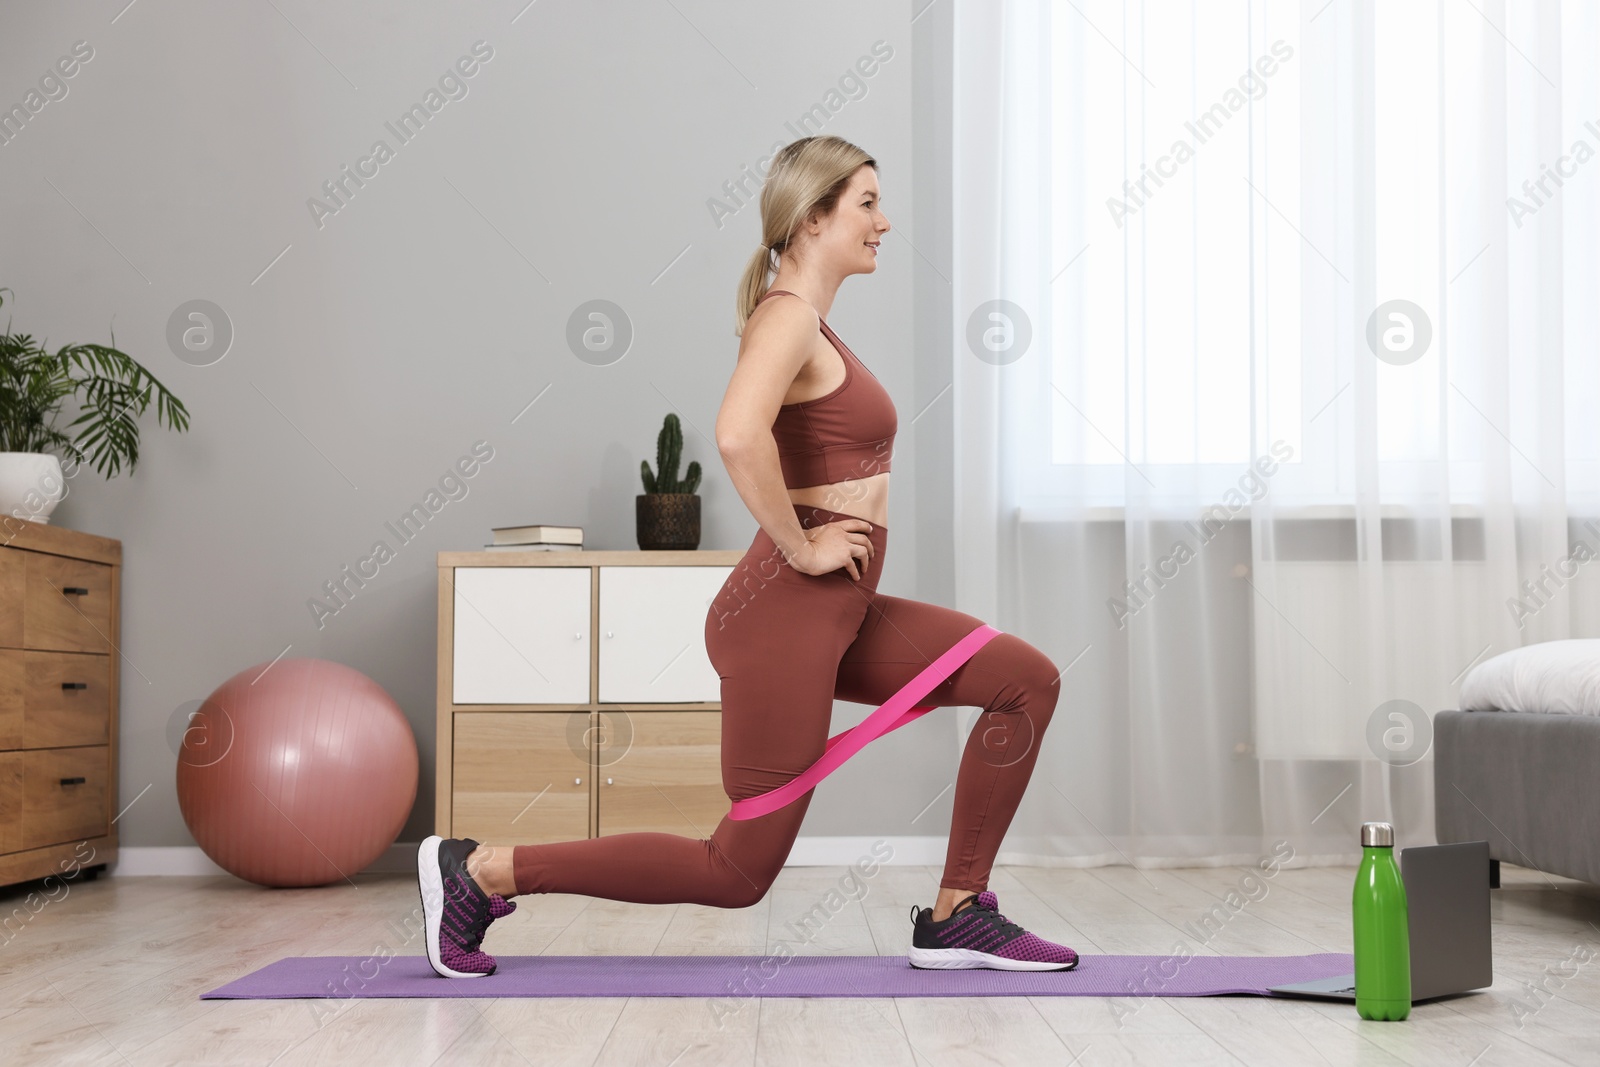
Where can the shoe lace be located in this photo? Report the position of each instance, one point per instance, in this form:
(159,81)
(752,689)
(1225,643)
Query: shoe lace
(1009,928)
(499,907)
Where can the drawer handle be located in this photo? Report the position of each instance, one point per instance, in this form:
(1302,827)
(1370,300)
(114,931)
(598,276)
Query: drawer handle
(74,685)
(74,590)
(74,781)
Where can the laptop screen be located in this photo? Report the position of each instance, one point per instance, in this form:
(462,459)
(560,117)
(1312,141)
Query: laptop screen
(1447,913)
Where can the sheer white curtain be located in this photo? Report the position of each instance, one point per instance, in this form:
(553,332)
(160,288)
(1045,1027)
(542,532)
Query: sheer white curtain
(1275,367)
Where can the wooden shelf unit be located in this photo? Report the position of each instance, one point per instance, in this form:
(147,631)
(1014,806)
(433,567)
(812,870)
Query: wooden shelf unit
(574,694)
(60,639)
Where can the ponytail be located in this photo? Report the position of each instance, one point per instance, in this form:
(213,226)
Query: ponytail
(807,178)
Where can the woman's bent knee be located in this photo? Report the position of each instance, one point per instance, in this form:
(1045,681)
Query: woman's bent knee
(736,889)
(747,897)
(1032,670)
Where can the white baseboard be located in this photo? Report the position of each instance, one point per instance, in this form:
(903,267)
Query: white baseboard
(844,851)
(401,857)
(140,862)
(188,860)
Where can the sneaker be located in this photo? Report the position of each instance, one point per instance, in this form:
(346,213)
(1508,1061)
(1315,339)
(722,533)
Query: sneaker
(455,910)
(979,936)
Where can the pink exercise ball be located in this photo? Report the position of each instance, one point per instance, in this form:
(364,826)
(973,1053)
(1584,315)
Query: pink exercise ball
(297,773)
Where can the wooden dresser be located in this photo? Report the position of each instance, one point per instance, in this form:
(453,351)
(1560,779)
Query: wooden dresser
(575,697)
(59,644)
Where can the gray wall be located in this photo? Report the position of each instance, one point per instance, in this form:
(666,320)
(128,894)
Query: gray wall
(432,308)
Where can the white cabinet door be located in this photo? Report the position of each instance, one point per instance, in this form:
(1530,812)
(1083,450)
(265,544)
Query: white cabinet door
(521,635)
(652,634)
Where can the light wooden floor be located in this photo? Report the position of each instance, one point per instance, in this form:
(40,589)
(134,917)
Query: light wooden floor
(110,973)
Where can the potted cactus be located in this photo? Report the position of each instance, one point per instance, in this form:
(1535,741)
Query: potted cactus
(668,511)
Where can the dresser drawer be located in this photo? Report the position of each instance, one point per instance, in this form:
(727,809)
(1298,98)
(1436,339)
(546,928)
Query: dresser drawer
(652,634)
(521,635)
(54,699)
(13,581)
(63,795)
(66,604)
(660,772)
(10,801)
(521,777)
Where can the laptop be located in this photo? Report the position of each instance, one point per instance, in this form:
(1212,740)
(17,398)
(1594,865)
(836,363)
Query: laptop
(1447,914)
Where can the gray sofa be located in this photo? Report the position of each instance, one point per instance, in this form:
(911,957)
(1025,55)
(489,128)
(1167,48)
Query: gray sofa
(1527,783)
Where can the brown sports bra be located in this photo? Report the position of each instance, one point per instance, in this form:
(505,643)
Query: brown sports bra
(847,433)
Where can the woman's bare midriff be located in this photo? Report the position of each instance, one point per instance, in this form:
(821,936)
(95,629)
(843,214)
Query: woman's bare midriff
(865,498)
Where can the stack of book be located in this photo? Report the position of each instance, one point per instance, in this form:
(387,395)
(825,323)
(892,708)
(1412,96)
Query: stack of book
(536,539)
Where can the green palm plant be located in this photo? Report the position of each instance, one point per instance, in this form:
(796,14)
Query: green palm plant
(112,390)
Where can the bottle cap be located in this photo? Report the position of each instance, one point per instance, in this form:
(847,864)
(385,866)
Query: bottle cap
(1377,835)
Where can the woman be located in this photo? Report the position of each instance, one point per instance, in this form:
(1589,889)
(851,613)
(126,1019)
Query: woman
(807,434)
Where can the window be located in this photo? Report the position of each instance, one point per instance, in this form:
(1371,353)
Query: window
(1207,223)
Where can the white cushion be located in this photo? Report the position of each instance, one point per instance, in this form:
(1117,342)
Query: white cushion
(1558,677)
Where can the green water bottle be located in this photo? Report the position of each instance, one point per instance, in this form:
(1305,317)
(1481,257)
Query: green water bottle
(1382,938)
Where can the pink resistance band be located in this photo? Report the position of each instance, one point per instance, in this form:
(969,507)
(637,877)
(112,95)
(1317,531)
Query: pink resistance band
(891,715)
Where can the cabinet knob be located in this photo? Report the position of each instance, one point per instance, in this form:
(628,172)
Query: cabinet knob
(610,634)
(578,636)
(577,781)
(74,685)
(608,781)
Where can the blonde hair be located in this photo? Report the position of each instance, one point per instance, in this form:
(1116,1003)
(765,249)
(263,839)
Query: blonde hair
(808,175)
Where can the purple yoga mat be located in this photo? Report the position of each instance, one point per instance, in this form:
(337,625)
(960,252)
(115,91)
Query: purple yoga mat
(344,977)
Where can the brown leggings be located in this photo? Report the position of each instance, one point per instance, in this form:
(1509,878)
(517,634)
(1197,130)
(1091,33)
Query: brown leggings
(786,645)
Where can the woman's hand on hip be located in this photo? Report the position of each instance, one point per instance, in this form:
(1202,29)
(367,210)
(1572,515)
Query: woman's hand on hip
(833,545)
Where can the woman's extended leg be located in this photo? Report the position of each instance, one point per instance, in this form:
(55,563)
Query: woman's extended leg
(1014,683)
(775,637)
(774,725)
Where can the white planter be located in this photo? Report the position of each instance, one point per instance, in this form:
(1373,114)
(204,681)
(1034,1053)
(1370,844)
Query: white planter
(31,485)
